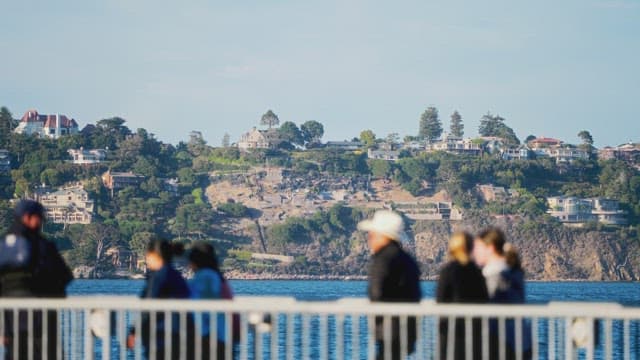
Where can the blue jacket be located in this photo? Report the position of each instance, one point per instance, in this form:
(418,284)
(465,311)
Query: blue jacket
(207,284)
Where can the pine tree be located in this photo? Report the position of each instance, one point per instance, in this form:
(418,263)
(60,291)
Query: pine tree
(430,125)
(457,127)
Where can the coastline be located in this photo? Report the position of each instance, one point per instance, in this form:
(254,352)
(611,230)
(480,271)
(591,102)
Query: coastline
(302,277)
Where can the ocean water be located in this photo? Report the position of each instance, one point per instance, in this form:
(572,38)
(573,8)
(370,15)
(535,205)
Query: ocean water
(626,293)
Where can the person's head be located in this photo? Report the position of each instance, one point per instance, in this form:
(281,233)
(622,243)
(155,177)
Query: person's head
(460,247)
(512,257)
(160,252)
(30,214)
(494,240)
(203,256)
(385,227)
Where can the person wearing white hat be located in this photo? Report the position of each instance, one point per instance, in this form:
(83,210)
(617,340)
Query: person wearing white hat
(394,276)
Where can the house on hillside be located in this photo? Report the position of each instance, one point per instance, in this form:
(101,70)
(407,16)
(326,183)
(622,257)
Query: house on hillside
(5,161)
(565,154)
(455,145)
(344,145)
(67,205)
(381,154)
(119,180)
(490,192)
(557,150)
(522,152)
(569,209)
(51,126)
(86,157)
(436,211)
(259,139)
(544,142)
(629,153)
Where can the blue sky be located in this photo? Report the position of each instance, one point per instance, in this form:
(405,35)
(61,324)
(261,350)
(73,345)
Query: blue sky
(550,68)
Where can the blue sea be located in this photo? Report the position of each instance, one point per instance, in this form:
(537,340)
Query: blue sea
(626,293)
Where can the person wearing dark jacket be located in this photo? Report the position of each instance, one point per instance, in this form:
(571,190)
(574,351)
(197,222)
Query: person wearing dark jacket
(460,281)
(394,276)
(163,282)
(31,266)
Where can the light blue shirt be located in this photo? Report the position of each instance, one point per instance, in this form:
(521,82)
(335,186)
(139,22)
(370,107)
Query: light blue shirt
(207,284)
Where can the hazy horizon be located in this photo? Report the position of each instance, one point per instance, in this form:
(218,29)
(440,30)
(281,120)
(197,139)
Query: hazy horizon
(551,69)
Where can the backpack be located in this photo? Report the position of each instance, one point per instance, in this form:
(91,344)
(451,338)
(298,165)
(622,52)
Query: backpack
(227,294)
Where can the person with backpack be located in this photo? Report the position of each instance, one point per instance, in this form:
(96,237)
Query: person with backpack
(163,282)
(504,278)
(208,283)
(31,266)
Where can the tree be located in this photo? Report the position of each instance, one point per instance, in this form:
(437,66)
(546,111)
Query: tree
(393,139)
(290,133)
(368,138)
(226,140)
(491,125)
(312,131)
(586,137)
(6,125)
(457,127)
(430,125)
(270,119)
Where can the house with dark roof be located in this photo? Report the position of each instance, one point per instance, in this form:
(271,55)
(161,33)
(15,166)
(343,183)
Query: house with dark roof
(51,126)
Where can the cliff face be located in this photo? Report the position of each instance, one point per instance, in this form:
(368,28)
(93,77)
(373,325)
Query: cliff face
(548,251)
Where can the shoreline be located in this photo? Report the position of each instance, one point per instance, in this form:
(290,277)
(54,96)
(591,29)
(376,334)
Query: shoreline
(284,277)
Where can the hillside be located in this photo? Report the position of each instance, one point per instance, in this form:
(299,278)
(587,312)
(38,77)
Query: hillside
(292,210)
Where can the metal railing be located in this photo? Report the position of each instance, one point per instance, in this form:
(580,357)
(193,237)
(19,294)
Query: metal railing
(283,328)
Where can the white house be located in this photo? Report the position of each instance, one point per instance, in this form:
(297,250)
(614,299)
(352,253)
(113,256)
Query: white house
(82,156)
(569,209)
(52,126)
(384,154)
(455,145)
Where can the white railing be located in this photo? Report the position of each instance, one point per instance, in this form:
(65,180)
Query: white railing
(283,328)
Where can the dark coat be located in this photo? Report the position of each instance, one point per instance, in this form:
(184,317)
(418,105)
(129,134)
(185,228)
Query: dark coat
(461,284)
(394,277)
(166,283)
(31,266)
(511,291)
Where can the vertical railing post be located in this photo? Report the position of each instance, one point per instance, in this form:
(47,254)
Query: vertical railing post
(89,351)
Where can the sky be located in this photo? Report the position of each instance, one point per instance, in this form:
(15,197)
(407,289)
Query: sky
(550,68)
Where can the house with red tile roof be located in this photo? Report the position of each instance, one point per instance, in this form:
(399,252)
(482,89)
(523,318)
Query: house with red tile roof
(51,126)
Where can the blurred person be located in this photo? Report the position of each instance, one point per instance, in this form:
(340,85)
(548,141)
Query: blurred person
(394,276)
(31,266)
(504,277)
(208,283)
(163,282)
(461,281)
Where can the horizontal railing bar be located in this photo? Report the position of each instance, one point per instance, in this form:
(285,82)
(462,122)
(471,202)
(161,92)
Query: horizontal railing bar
(344,307)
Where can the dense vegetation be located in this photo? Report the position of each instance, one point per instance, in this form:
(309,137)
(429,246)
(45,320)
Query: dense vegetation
(135,214)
